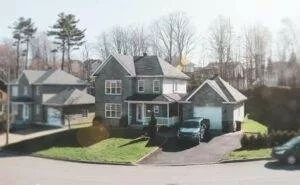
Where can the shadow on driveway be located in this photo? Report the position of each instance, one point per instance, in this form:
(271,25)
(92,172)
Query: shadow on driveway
(275,165)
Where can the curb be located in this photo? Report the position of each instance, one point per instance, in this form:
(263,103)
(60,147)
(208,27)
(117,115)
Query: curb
(246,160)
(84,162)
(149,154)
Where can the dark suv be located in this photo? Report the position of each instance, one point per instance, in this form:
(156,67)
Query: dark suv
(193,130)
(288,152)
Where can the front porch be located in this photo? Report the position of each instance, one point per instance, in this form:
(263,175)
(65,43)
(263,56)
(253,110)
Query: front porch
(166,114)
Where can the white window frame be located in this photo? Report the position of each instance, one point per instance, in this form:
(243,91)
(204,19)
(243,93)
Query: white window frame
(113,84)
(25,111)
(158,86)
(111,108)
(37,109)
(85,112)
(14,90)
(175,87)
(139,85)
(156,109)
(37,90)
(25,90)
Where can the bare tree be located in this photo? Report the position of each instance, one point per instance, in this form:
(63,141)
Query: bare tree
(257,41)
(286,40)
(184,36)
(139,42)
(221,40)
(120,40)
(163,33)
(103,45)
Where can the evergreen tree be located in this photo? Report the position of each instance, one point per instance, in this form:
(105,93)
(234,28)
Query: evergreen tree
(67,35)
(28,32)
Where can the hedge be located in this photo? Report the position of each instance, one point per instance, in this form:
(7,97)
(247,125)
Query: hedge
(274,138)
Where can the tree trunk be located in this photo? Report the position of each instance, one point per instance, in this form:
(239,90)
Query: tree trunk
(18,59)
(69,58)
(26,61)
(63,56)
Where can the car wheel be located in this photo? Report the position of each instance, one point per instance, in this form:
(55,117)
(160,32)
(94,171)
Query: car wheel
(291,160)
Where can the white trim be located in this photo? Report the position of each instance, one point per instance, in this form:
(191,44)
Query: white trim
(144,84)
(175,86)
(113,104)
(205,82)
(156,109)
(100,67)
(110,87)
(154,86)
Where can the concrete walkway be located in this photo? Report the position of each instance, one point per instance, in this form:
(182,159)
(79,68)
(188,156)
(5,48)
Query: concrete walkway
(211,152)
(28,134)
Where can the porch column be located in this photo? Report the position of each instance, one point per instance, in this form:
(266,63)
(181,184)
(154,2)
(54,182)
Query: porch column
(128,113)
(168,112)
(143,113)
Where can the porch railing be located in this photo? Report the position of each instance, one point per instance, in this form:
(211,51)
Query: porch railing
(163,120)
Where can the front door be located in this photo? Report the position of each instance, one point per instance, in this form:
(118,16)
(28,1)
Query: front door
(139,112)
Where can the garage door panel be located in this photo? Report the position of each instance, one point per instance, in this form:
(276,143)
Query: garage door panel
(53,117)
(214,114)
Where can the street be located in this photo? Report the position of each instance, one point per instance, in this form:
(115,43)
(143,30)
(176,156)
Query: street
(36,171)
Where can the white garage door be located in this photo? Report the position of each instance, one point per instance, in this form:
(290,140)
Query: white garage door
(214,114)
(53,117)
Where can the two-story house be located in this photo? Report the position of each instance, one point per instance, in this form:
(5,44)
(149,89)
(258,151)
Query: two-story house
(48,97)
(136,87)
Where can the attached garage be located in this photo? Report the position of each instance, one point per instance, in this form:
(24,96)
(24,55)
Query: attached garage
(214,114)
(217,101)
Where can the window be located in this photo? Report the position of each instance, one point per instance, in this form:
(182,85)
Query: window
(175,86)
(25,111)
(156,86)
(141,85)
(85,113)
(14,90)
(37,109)
(113,110)
(156,109)
(25,90)
(113,87)
(14,109)
(37,90)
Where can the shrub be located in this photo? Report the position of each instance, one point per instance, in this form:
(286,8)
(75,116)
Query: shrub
(152,127)
(245,141)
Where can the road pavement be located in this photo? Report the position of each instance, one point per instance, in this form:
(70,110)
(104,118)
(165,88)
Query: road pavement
(37,171)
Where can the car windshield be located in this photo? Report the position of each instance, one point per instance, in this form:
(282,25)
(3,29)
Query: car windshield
(293,141)
(190,124)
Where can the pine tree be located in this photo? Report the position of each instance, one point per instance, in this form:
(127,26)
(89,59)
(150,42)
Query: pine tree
(28,32)
(67,35)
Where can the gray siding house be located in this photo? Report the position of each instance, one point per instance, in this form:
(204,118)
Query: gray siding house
(136,87)
(46,97)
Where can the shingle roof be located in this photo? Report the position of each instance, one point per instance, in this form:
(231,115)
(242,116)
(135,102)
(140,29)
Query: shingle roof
(147,66)
(223,88)
(70,97)
(52,77)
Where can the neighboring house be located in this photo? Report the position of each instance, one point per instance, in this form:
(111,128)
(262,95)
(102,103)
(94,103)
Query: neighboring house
(216,100)
(136,87)
(48,97)
(3,102)
(282,74)
(233,72)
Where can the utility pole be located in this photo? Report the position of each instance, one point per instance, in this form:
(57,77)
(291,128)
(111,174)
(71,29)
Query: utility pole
(8,106)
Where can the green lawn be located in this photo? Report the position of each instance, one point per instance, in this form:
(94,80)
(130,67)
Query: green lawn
(251,126)
(94,143)
(249,154)
(109,150)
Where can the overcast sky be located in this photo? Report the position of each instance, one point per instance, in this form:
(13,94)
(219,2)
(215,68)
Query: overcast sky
(100,15)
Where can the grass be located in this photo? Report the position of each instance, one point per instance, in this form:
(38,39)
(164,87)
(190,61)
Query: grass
(251,126)
(109,150)
(249,154)
(94,144)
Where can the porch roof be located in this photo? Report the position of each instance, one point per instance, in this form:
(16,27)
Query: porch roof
(164,98)
(22,100)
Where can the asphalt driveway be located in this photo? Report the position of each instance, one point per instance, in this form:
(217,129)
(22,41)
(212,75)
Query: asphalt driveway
(206,152)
